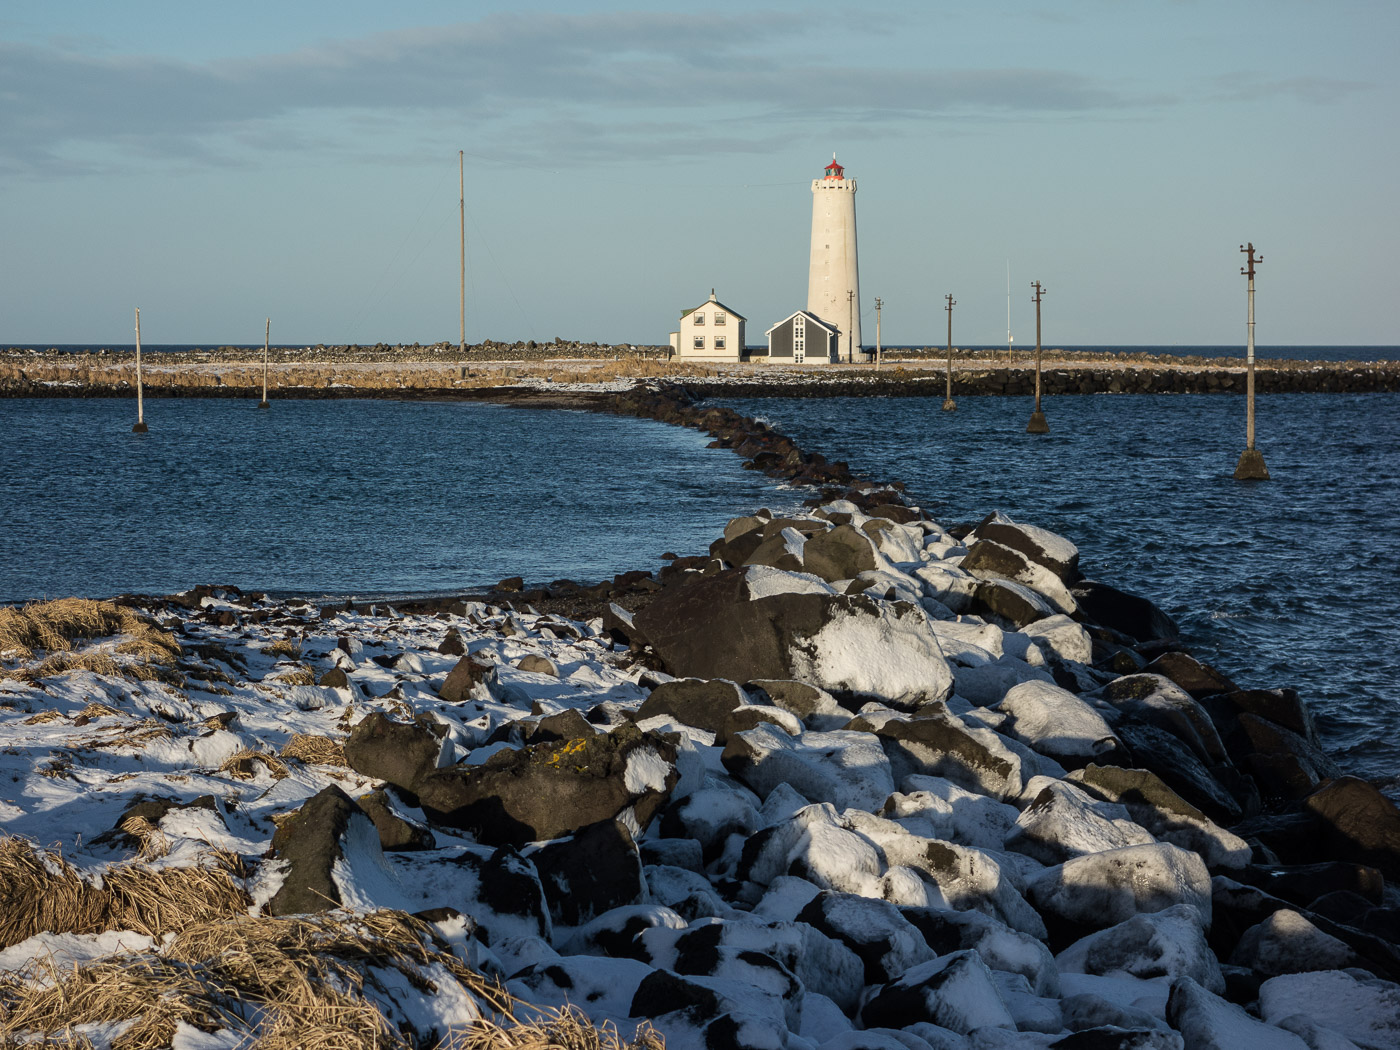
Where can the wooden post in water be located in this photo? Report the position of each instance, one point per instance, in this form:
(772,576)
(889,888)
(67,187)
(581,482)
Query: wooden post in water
(878,303)
(1251,465)
(140,427)
(1037,425)
(949,405)
(267,331)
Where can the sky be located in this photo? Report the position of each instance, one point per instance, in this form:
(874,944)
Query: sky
(217,165)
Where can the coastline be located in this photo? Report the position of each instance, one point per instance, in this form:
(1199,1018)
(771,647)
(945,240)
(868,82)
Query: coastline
(1223,908)
(375,373)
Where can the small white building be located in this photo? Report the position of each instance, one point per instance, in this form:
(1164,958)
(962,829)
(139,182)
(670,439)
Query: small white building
(709,332)
(802,338)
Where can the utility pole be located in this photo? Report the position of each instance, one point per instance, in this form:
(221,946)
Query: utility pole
(140,427)
(267,330)
(1251,465)
(462,222)
(949,405)
(1037,425)
(878,303)
(851,326)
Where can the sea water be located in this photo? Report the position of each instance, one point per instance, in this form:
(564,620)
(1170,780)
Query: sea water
(1289,582)
(363,498)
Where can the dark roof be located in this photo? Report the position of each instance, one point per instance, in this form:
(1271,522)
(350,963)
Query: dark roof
(810,316)
(714,302)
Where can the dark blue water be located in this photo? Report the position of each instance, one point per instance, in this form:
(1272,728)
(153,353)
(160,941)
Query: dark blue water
(1294,581)
(1287,353)
(348,497)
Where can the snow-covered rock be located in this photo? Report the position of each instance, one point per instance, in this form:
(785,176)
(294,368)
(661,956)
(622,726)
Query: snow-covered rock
(1103,889)
(1363,1010)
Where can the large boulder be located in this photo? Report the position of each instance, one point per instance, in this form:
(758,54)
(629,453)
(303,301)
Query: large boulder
(885,941)
(1038,545)
(322,847)
(954,991)
(1286,942)
(553,789)
(757,623)
(939,743)
(1284,764)
(1126,613)
(842,553)
(591,872)
(1168,943)
(987,559)
(1164,813)
(1055,722)
(849,769)
(397,753)
(1103,889)
(1366,1012)
(694,701)
(1062,821)
(1359,822)
(1208,1022)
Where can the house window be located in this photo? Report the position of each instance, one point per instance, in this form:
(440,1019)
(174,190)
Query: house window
(719,342)
(799,340)
(699,318)
(719,318)
(699,343)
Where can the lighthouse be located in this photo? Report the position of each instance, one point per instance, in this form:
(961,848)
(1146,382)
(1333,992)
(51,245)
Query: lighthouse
(833,280)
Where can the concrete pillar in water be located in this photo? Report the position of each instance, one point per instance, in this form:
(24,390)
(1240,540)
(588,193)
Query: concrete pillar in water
(1251,465)
(140,427)
(267,330)
(1037,425)
(833,276)
(949,405)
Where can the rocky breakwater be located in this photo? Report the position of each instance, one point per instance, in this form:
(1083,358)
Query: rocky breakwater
(1078,377)
(852,780)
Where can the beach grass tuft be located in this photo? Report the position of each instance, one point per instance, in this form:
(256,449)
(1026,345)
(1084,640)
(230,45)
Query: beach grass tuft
(40,892)
(305,981)
(314,750)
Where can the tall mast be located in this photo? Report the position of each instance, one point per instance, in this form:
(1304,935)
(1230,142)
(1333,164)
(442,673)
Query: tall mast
(462,222)
(1008,312)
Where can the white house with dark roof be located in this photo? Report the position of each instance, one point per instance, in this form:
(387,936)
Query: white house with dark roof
(802,338)
(709,332)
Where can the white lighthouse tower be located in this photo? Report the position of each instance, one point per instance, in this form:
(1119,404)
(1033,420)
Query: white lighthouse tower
(833,281)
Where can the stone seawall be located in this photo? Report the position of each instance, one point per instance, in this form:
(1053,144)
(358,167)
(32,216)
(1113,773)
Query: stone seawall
(48,377)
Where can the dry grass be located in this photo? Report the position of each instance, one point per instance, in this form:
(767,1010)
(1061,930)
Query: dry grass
(567,1029)
(314,750)
(39,892)
(243,765)
(54,627)
(284,647)
(298,674)
(302,982)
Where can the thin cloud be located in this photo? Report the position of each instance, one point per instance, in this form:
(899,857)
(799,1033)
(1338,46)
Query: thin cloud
(505,76)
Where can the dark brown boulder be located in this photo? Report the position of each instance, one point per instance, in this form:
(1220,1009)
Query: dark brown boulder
(1282,762)
(467,673)
(842,553)
(1130,614)
(694,701)
(1185,670)
(1024,539)
(553,789)
(395,832)
(398,753)
(311,844)
(1359,822)
(1008,603)
(593,871)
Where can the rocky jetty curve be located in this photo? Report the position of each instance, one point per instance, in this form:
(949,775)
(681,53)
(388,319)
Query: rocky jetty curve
(851,780)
